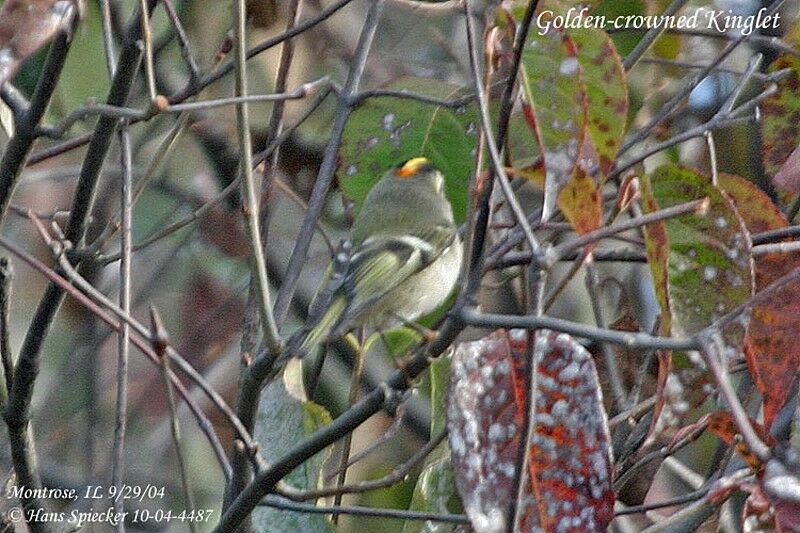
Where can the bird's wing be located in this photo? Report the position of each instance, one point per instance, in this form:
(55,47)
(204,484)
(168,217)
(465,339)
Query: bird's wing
(376,266)
(383,262)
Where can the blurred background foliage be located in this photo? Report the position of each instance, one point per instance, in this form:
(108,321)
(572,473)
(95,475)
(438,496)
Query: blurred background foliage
(198,276)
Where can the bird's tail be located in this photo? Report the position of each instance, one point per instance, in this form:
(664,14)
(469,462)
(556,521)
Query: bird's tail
(312,335)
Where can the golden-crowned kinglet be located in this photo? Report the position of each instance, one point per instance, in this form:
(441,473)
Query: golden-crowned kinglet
(403,260)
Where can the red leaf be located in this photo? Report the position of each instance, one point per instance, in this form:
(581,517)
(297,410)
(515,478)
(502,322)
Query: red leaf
(485,418)
(722,425)
(568,483)
(773,354)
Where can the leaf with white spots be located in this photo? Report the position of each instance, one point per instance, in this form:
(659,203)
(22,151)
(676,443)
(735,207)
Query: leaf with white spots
(386,131)
(570,468)
(702,264)
(556,108)
(568,481)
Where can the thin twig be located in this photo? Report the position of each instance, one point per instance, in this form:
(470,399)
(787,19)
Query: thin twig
(637,341)
(15,100)
(138,115)
(405,95)
(665,451)
(398,474)
(123,337)
(650,37)
(609,356)
(695,206)
(160,342)
(280,503)
(147,38)
(776,248)
(766,41)
(713,354)
(344,461)
(183,42)
(431,8)
(632,413)
(142,342)
(108,37)
(765,78)
(670,502)
(555,291)
(250,209)
(6,275)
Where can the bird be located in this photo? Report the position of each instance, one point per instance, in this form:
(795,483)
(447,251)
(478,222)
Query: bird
(402,261)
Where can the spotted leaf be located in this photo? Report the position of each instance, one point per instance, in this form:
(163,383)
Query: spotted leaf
(773,354)
(581,203)
(606,92)
(387,131)
(567,482)
(556,108)
(707,258)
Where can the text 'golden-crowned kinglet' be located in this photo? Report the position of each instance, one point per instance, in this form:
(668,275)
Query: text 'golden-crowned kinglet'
(403,260)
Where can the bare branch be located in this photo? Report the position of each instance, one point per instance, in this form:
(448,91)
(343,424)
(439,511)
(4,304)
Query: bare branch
(160,342)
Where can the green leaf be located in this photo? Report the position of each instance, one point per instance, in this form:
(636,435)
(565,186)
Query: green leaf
(556,106)
(283,420)
(606,92)
(387,131)
(435,490)
(701,264)
(625,41)
(396,342)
